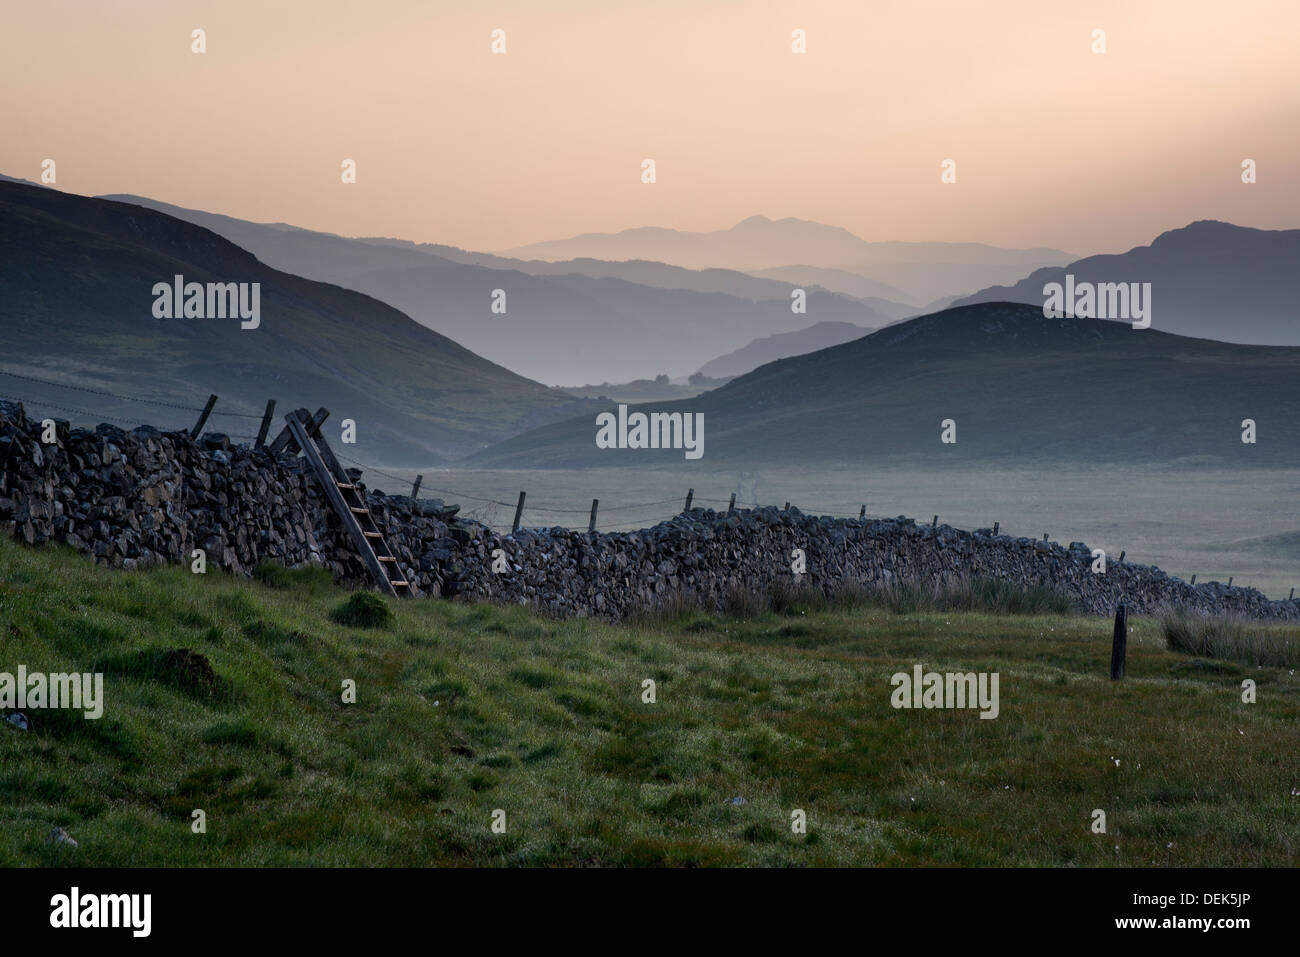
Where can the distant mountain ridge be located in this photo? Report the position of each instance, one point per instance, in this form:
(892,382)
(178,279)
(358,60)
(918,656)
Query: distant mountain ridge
(924,271)
(1209,279)
(1020,389)
(622,322)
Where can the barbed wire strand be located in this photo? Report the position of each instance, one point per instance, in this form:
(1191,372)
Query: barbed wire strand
(530,507)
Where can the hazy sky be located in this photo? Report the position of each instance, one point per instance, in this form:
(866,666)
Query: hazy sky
(1055,145)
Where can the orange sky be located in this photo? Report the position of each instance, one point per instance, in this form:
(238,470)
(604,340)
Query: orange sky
(1055,145)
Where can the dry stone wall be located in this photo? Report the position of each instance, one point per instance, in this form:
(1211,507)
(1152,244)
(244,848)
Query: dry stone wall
(131,499)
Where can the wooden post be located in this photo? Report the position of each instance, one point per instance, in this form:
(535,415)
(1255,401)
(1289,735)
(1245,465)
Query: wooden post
(1121,555)
(995,528)
(595,503)
(1229,581)
(1291,597)
(731,506)
(266,423)
(519,513)
(1044,536)
(1119,645)
(935,523)
(690,494)
(203,417)
(415,489)
(787,507)
(1193,579)
(862,513)
(285,442)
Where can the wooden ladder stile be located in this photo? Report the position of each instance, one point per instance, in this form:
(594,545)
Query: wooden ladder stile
(349,503)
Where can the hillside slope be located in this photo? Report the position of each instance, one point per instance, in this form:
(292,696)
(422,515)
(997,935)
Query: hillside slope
(76,306)
(820,335)
(1021,389)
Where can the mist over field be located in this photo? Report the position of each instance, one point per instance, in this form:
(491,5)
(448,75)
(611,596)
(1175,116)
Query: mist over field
(1213,522)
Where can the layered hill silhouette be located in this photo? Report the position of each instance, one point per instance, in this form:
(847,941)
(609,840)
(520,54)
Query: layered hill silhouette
(820,335)
(567,322)
(807,251)
(1209,279)
(1022,389)
(76,307)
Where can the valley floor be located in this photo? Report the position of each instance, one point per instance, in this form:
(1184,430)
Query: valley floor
(1214,523)
(465,712)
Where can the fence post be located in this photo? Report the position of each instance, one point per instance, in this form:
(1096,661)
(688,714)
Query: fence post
(266,423)
(787,507)
(995,528)
(591,526)
(935,523)
(1291,597)
(731,506)
(1229,581)
(1121,555)
(862,513)
(1119,645)
(690,494)
(1044,536)
(519,513)
(203,417)
(415,489)
(1193,579)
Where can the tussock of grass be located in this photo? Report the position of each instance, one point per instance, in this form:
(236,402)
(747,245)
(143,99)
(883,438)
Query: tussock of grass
(1232,639)
(363,609)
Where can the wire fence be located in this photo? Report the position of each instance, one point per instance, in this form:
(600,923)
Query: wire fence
(484,509)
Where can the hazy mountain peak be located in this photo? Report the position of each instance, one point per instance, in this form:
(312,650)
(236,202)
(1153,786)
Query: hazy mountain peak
(919,271)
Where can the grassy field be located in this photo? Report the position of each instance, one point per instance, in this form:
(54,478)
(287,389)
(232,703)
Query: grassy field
(464,710)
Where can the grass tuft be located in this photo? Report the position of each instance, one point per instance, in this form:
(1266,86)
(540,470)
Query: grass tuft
(363,609)
(1232,639)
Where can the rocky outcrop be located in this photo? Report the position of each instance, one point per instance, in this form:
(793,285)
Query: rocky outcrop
(143,497)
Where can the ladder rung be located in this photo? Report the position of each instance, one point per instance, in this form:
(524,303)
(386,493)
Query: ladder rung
(345,485)
(386,558)
(359,511)
(373,534)
(399,584)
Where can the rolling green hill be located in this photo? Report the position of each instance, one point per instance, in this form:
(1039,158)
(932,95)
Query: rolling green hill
(76,307)
(1021,388)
